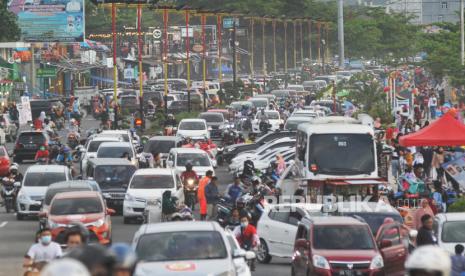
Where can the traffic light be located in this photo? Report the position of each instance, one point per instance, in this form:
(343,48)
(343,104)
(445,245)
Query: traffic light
(138,122)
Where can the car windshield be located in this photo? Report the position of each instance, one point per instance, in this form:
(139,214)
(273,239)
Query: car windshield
(128,100)
(305,114)
(52,192)
(114,152)
(38,179)
(192,126)
(292,124)
(453,231)
(158,146)
(195,159)
(74,206)
(355,153)
(152,182)
(260,103)
(93,145)
(212,118)
(177,246)
(110,175)
(338,237)
(36,138)
(374,220)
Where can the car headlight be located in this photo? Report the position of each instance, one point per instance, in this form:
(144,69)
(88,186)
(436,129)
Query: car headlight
(99,223)
(320,262)
(377,262)
(23,197)
(129,197)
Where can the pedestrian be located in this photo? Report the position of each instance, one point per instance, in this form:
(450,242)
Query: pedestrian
(432,105)
(212,195)
(42,252)
(234,190)
(458,261)
(438,160)
(424,209)
(281,164)
(438,200)
(427,153)
(425,233)
(203,182)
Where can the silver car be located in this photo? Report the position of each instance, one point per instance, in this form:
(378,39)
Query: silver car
(188,248)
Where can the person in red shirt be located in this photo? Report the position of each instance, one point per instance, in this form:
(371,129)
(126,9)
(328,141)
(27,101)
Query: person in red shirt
(246,235)
(42,153)
(189,173)
(38,124)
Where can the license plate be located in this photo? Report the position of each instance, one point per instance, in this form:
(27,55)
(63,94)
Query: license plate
(30,146)
(347,273)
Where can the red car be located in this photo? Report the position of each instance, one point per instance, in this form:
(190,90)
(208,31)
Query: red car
(331,245)
(86,207)
(4,162)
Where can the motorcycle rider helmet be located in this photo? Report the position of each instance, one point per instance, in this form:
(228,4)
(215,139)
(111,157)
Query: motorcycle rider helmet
(13,168)
(42,148)
(256,180)
(240,203)
(124,255)
(66,266)
(72,121)
(188,167)
(428,260)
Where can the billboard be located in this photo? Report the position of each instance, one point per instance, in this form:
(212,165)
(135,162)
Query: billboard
(456,169)
(50,20)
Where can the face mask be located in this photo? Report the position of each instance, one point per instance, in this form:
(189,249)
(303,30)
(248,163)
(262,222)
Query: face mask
(46,239)
(244,224)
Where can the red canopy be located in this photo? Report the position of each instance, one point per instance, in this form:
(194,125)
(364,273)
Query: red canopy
(446,131)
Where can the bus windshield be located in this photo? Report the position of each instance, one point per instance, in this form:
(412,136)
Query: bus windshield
(342,154)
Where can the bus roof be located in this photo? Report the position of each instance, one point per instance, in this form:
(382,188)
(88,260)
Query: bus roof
(335,124)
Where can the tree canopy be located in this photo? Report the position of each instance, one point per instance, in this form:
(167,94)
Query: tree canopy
(11,31)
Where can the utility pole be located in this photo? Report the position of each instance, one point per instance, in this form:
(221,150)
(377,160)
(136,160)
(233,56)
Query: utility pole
(340,31)
(234,53)
(462,41)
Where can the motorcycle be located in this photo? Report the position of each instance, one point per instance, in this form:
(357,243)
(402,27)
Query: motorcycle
(219,156)
(9,191)
(190,192)
(224,209)
(77,153)
(72,140)
(264,127)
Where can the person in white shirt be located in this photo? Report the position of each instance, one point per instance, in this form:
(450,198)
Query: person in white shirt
(43,251)
(432,104)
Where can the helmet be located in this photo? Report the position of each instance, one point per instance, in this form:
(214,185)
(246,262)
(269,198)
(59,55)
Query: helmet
(428,258)
(72,121)
(66,266)
(188,166)
(240,202)
(13,167)
(124,255)
(256,179)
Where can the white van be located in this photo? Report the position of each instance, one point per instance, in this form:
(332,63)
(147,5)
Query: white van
(147,185)
(449,228)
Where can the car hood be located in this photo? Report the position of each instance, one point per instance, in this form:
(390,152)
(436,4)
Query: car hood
(188,268)
(244,156)
(192,133)
(241,147)
(84,218)
(34,191)
(149,193)
(347,255)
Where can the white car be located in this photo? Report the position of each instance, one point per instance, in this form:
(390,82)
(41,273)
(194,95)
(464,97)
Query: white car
(147,185)
(34,186)
(262,162)
(277,228)
(193,128)
(260,103)
(274,119)
(305,113)
(117,150)
(92,147)
(293,122)
(267,147)
(199,159)
(188,248)
(449,228)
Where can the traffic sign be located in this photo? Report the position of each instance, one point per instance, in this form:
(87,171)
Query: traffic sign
(46,72)
(228,22)
(156,33)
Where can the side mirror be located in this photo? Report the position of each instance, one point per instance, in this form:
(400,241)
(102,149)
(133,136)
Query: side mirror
(302,243)
(209,128)
(239,253)
(90,178)
(385,243)
(17,184)
(250,255)
(111,212)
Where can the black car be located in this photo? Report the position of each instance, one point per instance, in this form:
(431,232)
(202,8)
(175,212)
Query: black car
(177,106)
(215,121)
(231,151)
(28,143)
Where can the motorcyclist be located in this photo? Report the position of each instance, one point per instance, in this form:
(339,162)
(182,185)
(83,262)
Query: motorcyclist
(170,121)
(125,259)
(14,173)
(42,154)
(64,156)
(189,173)
(240,139)
(428,260)
(246,235)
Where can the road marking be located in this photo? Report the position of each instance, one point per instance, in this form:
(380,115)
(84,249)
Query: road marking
(3,224)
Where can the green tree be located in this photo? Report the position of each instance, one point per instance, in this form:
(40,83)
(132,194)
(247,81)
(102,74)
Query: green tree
(10,31)
(362,38)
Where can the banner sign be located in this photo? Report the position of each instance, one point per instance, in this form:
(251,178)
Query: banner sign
(46,72)
(24,109)
(456,169)
(50,21)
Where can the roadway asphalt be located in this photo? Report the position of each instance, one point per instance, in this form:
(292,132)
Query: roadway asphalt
(17,236)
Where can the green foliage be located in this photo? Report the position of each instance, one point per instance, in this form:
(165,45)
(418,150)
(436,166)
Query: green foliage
(10,31)
(458,206)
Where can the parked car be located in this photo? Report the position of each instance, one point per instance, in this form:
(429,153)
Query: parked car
(86,207)
(344,245)
(147,185)
(34,186)
(188,248)
(277,228)
(28,143)
(449,228)
(193,128)
(199,159)
(113,176)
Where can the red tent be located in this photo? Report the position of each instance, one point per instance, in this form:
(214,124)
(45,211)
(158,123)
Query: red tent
(446,131)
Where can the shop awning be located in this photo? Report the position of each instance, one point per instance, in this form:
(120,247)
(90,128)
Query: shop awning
(446,131)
